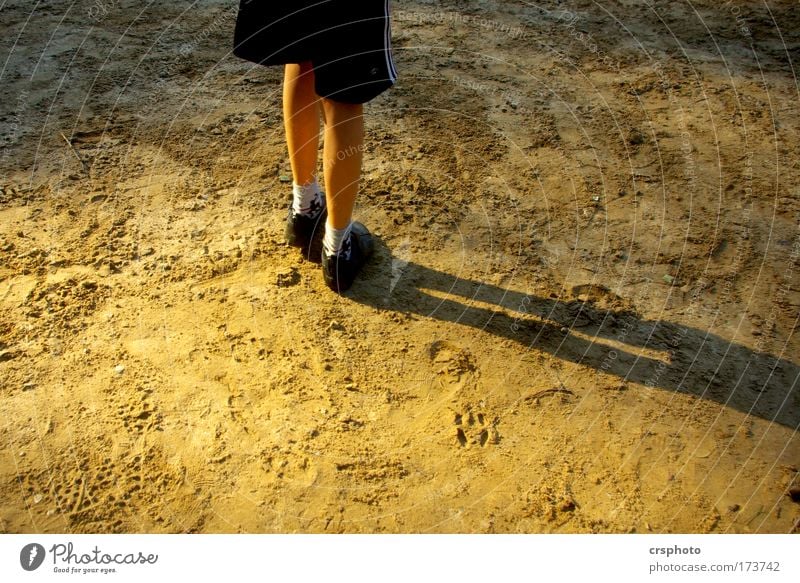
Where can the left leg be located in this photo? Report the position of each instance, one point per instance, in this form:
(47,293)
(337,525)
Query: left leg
(301,120)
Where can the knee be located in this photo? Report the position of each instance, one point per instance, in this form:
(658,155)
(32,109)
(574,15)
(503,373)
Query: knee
(299,76)
(338,112)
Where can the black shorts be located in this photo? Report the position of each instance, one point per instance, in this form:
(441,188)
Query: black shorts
(347,42)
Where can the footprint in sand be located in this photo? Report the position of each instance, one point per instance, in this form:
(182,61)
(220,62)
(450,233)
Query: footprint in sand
(451,363)
(475,429)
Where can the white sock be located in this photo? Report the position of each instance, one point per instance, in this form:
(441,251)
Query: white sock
(307,199)
(334,238)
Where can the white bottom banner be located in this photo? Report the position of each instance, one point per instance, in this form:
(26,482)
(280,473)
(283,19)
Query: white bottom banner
(461,558)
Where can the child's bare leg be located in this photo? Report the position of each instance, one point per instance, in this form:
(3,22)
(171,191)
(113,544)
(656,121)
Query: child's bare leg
(301,120)
(342,153)
(346,244)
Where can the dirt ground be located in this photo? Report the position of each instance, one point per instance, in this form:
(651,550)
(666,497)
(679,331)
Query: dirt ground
(581,315)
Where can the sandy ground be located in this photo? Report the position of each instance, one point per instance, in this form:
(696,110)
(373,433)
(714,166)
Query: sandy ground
(581,315)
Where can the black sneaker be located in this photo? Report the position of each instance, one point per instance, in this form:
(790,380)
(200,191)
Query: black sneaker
(302,229)
(341,269)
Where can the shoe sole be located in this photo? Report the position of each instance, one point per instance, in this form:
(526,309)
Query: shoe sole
(311,242)
(366,246)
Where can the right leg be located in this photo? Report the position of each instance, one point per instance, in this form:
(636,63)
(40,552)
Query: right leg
(346,245)
(343,151)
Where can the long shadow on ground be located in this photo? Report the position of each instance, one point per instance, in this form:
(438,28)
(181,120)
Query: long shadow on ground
(688,360)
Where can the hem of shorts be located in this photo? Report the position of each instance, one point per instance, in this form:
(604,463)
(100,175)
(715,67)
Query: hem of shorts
(272,61)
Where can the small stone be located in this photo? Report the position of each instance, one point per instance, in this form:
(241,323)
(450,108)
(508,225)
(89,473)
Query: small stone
(636,138)
(668,279)
(285,178)
(287,278)
(119,369)
(566,504)
(37,498)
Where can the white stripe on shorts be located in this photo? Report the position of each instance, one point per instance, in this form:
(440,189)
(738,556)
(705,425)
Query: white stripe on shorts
(387,42)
